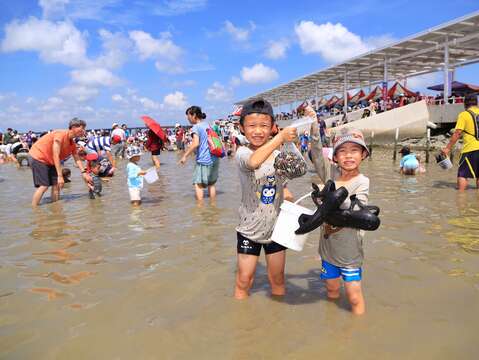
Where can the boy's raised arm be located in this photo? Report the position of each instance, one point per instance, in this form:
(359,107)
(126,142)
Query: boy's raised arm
(262,153)
(322,167)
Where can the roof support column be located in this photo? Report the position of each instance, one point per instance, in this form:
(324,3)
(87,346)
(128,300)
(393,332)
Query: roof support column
(345,95)
(447,89)
(385,81)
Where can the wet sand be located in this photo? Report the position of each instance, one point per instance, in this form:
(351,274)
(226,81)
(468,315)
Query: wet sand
(99,279)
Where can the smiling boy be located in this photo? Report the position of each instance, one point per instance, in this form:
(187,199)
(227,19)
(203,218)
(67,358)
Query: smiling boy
(263,191)
(341,249)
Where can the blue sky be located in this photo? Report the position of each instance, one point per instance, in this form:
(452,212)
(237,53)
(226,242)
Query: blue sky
(114,60)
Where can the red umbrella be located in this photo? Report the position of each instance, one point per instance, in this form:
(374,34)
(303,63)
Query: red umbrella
(155,127)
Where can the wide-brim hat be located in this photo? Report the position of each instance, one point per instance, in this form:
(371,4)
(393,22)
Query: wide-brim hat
(349,135)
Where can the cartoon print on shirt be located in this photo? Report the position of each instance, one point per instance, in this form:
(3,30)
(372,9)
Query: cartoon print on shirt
(268,194)
(268,190)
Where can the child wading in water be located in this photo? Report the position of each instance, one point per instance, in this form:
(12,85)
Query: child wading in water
(262,194)
(341,249)
(134,174)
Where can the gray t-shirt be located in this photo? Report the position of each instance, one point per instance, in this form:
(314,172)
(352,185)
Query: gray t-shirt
(345,247)
(262,195)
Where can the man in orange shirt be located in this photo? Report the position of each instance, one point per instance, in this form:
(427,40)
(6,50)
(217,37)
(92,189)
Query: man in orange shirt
(47,154)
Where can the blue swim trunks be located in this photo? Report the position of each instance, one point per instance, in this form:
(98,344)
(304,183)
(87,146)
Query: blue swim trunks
(330,271)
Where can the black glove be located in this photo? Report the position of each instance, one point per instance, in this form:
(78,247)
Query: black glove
(365,218)
(326,200)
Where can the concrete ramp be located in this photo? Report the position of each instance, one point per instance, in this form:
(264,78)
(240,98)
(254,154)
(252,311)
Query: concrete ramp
(411,121)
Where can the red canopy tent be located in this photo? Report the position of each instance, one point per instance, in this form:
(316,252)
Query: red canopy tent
(398,90)
(356,97)
(237,110)
(322,102)
(340,102)
(332,101)
(457,87)
(373,95)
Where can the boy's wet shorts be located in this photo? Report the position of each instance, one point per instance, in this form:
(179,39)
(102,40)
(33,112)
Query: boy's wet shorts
(249,247)
(330,271)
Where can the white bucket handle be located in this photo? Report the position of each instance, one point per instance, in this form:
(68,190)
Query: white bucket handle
(303,197)
(306,195)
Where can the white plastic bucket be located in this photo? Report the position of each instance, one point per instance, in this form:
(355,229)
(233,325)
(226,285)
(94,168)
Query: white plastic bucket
(445,164)
(287,223)
(151,175)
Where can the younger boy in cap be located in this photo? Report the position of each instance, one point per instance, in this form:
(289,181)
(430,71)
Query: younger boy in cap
(341,249)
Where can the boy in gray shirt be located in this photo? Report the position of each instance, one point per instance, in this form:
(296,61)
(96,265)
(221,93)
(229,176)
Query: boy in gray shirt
(341,249)
(263,191)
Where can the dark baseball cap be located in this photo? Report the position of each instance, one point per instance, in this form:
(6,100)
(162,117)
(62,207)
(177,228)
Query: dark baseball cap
(257,106)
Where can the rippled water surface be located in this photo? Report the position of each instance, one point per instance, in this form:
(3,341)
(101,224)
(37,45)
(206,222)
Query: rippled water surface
(98,279)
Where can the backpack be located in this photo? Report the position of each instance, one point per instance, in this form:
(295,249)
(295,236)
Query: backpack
(214,143)
(475,119)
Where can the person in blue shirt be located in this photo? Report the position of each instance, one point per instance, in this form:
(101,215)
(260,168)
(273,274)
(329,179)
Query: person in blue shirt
(409,164)
(207,165)
(134,174)
(304,141)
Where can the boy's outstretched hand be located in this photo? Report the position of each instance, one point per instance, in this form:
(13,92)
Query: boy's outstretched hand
(289,134)
(309,112)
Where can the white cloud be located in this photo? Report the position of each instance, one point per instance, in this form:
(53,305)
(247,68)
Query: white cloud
(51,104)
(277,49)
(166,53)
(176,101)
(116,48)
(13,109)
(218,93)
(148,103)
(333,42)
(52,8)
(117,98)
(94,77)
(178,7)
(79,93)
(258,74)
(169,67)
(379,41)
(59,42)
(237,33)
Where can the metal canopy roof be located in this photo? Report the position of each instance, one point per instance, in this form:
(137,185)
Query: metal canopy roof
(419,54)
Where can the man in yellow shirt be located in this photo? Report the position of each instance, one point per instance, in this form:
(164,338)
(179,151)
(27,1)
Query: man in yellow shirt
(467,123)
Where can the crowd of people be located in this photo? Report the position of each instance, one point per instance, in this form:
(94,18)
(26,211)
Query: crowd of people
(256,142)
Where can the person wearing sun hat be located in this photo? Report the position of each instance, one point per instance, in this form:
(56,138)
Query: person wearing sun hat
(341,249)
(134,174)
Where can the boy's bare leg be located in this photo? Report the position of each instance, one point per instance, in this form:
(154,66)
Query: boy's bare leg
(275,263)
(199,191)
(355,297)
(245,275)
(333,286)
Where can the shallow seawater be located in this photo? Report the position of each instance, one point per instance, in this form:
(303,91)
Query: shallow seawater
(99,279)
